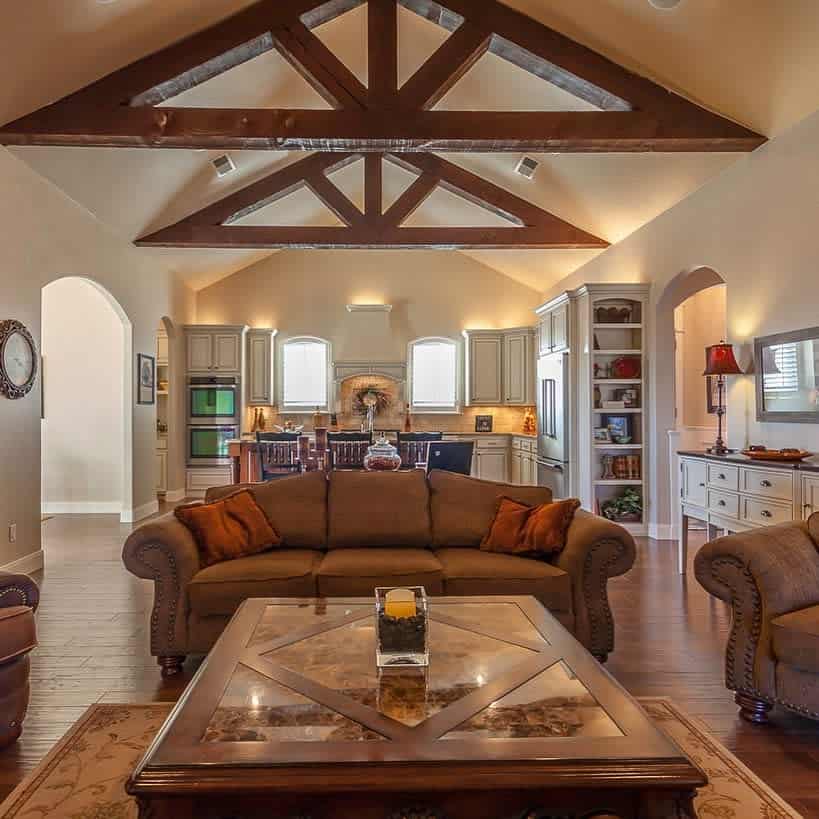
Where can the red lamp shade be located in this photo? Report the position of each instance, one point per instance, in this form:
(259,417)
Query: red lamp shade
(719,360)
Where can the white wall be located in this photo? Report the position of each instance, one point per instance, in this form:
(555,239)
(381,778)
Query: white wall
(82,345)
(755,225)
(46,236)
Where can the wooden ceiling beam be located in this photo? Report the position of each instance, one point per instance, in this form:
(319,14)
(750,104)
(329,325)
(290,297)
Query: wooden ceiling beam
(373,187)
(401,131)
(318,65)
(395,238)
(335,200)
(457,54)
(410,200)
(382,60)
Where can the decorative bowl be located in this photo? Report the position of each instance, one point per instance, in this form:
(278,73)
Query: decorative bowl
(382,456)
(787,455)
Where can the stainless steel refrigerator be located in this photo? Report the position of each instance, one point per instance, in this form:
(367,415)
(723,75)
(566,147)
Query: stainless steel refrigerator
(553,460)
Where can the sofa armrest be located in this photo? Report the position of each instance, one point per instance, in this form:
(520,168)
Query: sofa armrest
(762,573)
(165,551)
(18,590)
(596,549)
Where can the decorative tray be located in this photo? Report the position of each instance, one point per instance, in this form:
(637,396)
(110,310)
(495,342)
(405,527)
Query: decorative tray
(777,454)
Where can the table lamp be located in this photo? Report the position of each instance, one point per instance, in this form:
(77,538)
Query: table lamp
(719,362)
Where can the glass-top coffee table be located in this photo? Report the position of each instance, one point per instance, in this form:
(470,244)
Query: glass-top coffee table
(289,716)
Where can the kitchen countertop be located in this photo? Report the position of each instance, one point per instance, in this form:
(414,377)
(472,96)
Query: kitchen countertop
(808,465)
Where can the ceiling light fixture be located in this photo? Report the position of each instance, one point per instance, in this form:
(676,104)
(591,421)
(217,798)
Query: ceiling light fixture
(369,308)
(665,5)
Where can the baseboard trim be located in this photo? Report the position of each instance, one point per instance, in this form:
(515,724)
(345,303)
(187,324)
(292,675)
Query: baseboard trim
(27,564)
(141,512)
(175,495)
(661,531)
(81,508)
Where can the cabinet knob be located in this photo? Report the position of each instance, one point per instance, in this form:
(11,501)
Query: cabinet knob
(721,476)
(766,484)
(766,514)
(702,484)
(721,503)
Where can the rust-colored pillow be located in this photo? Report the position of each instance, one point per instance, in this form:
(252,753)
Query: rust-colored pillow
(519,529)
(229,528)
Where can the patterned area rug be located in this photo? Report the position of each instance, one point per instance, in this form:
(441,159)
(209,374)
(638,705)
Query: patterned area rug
(84,775)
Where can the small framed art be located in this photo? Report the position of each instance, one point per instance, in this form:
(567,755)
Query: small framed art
(483,423)
(146,379)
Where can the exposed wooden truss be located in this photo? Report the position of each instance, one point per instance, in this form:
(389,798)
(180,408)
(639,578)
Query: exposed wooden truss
(217,226)
(636,114)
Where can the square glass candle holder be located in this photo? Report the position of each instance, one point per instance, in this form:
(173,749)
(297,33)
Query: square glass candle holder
(401,640)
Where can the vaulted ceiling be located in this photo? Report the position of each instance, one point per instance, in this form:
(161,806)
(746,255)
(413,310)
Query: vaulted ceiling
(752,62)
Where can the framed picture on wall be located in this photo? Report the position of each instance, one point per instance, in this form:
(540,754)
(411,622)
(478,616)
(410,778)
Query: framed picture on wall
(483,423)
(712,399)
(146,379)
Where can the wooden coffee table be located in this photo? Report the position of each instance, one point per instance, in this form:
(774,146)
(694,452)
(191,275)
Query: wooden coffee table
(289,717)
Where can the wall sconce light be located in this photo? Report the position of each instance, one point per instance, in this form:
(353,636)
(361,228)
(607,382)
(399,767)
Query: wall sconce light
(369,308)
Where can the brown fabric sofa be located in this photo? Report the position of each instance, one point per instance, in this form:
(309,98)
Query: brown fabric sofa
(770,577)
(19,597)
(345,534)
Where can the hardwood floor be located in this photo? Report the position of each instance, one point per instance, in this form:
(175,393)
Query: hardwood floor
(93,629)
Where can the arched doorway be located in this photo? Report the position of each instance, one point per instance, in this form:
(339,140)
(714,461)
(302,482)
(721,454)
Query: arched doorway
(87,426)
(663,420)
(170,408)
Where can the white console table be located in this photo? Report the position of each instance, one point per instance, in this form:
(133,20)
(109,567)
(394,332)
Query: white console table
(733,493)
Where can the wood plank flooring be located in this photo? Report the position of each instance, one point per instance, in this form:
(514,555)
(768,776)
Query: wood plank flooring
(93,629)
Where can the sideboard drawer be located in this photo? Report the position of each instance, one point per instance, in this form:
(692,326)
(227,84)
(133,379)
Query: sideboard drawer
(768,484)
(726,477)
(724,503)
(765,513)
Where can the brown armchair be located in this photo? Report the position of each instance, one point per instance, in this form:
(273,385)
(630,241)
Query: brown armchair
(770,577)
(19,597)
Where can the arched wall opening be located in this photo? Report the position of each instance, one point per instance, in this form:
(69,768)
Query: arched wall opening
(87,426)
(170,409)
(662,417)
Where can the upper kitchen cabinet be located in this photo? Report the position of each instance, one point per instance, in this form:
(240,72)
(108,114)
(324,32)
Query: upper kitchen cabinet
(553,327)
(214,348)
(499,366)
(260,367)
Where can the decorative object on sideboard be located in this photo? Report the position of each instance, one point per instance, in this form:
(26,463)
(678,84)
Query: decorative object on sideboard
(382,456)
(627,508)
(787,386)
(18,359)
(529,423)
(483,423)
(787,455)
(720,362)
(146,379)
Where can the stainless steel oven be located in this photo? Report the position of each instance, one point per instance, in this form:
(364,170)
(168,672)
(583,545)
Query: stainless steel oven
(208,444)
(213,400)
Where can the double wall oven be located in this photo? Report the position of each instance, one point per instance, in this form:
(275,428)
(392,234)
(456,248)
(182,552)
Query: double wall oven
(214,406)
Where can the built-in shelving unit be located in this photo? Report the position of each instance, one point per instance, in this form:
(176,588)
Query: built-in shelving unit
(612,367)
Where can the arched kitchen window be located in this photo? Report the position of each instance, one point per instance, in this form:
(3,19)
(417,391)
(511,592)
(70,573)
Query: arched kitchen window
(305,374)
(434,375)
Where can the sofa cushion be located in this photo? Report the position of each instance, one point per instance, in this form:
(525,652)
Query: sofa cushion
(471,571)
(296,506)
(463,508)
(813,527)
(18,633)
(378,509)
(796,638)
(221,588)
(230,528)
(356,572)
(530,531)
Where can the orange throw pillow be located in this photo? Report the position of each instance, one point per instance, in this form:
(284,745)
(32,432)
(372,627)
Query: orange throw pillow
(519,529)
(229,528)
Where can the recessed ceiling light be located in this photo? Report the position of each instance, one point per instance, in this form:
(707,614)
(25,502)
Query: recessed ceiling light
(665,5)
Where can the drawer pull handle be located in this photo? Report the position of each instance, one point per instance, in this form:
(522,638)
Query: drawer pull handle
(721,476)
(721,503)
(702,484)
(766,514)
(766,484)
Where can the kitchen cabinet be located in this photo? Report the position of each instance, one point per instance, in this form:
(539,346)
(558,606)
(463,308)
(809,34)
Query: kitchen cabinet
(693,476)
(810,495)
(492,464)
(516,468)
(214,348)
(523,463)
(162,351)
(553,329)
(260,367)
(500,367)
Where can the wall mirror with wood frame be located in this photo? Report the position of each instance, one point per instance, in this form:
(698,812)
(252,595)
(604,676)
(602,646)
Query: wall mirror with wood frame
(787,377)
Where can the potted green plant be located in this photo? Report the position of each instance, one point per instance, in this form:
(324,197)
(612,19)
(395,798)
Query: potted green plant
(628,508)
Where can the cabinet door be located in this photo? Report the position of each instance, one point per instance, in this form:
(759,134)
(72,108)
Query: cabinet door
(494,465)
(260,369)
(517,471)
(528,471)
(200,352)
(161,349)
(544,334)
(485,370)
(516,368)
(226,353)
(475,472)
(693,477)
(560,328)
(810,496)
